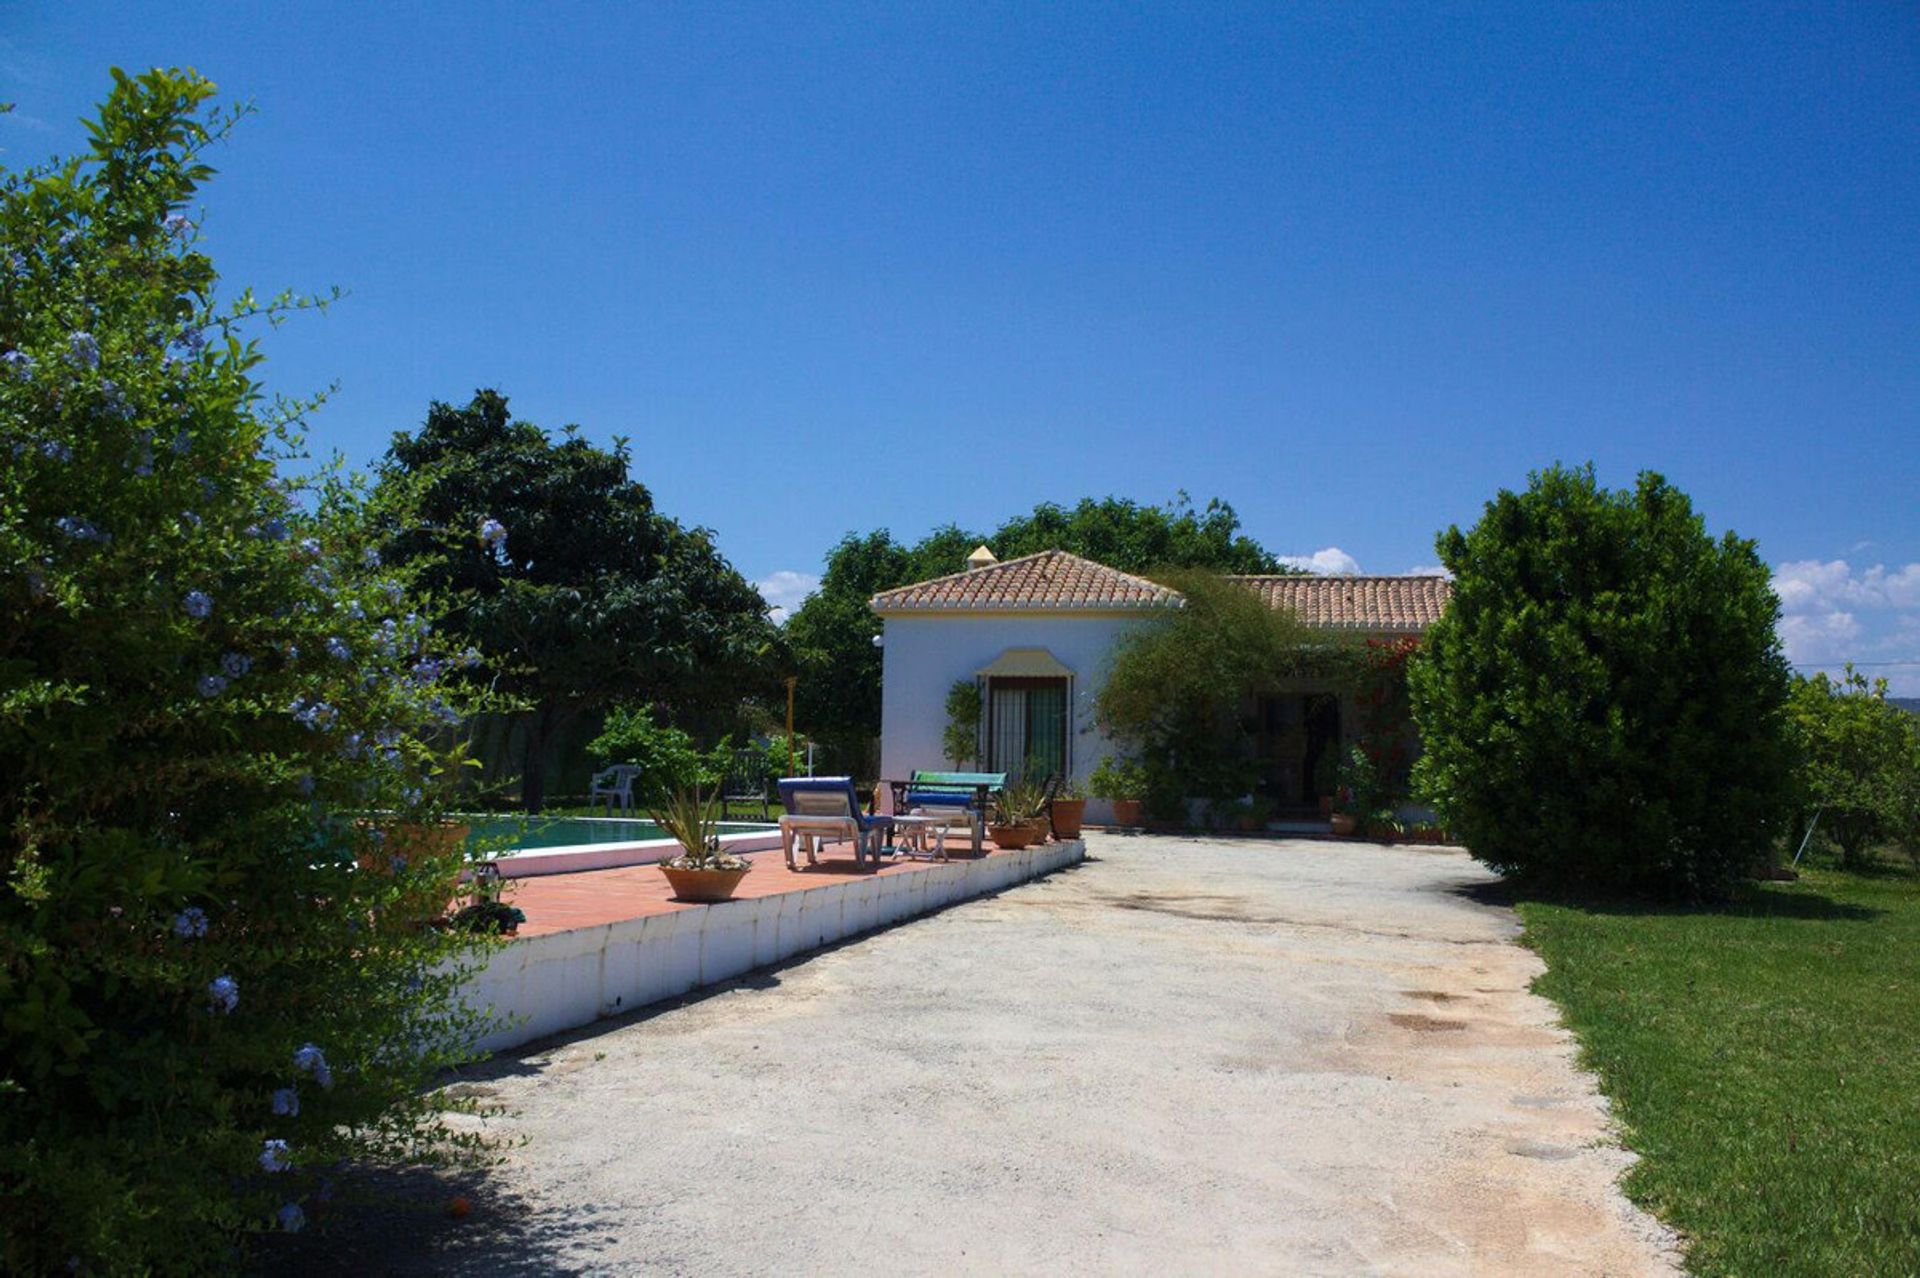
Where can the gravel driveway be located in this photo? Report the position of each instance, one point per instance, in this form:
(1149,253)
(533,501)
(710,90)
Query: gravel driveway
(1186,1055)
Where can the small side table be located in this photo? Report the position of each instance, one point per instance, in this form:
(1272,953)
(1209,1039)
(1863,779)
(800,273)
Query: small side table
(911,837)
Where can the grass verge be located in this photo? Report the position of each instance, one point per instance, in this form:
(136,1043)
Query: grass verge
(1764,1059)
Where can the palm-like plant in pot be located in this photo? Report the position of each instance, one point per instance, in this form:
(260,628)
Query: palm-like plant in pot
(702,872)
(1011,821)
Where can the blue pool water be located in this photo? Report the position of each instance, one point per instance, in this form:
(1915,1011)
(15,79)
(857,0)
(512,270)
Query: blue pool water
(496,834)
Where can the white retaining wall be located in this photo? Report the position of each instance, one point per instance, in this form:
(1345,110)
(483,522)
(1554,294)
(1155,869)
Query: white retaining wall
(545,984)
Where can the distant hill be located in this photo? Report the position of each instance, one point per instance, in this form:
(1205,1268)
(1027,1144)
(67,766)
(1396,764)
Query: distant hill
(1910,704)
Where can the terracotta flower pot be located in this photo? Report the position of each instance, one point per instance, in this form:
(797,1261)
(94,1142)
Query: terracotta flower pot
(1343,823)
(1010,837)
(1042,828)
(1126,811)
(703,885)
(1067,816)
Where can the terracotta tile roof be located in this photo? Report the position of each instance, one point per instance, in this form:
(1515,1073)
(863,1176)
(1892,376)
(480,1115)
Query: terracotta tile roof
(1052,579)
(1358,603)
(1056,580)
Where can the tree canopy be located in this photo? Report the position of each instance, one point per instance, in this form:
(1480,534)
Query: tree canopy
(1602,703)
(831,634)
(572,588)
(1859,763)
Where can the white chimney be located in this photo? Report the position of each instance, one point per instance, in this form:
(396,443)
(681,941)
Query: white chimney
(981,558)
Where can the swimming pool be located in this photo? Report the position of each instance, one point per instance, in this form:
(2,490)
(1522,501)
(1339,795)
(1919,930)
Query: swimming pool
(491,835)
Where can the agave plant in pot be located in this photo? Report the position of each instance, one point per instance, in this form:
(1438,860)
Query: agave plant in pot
(702,872)
(1010,823)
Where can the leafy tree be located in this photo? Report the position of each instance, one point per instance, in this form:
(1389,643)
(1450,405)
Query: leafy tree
(216,770)
(1602,705)
(1860,761)
(832,632)
(1177,691)
(1139,539)
(575,592)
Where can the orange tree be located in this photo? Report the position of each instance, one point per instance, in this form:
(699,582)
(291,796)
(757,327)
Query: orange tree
(217,716)
(1602,706)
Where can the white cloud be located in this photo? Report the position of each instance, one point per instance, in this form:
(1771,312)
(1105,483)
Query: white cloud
(1834,613)
(784,590)
(1428,570)
(1331,561)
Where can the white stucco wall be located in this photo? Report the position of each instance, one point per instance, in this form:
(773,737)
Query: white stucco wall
(924,654)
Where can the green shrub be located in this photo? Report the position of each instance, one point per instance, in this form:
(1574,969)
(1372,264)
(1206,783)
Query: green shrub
(1117,779)
(1177,691)
(217,709)
(1859,763)
(1602,703)
(666,756)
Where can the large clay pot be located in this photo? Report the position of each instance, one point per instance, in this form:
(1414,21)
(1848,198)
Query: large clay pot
(1126,812)
(1010,837)
(1343,823)
(703,885)
(1067,816)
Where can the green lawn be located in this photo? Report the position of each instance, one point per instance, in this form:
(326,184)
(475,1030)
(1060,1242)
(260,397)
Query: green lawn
(1765,1061)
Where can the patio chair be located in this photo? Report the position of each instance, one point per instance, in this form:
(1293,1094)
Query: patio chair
(614,785)
(746,780)
(961,798)
(820,807)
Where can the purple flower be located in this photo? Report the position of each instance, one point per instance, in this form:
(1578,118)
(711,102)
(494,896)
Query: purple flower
(83,350)
(191,339)
(225,992)
(370,557)
(190,923)
(183,441)
(275,1156)
(115,399)
(306,784)
(311,714)
(310,547)
(81,529)
(54,450)
(236,664)
(273,529)
(426,670)
(198,603)
(18,363)
(338,650)
(309,1059)
(286,1103)
(291,1218)
(493,532)
(177,224)
(211,685)
(208,489)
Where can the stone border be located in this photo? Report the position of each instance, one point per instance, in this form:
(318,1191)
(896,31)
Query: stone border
(561,981)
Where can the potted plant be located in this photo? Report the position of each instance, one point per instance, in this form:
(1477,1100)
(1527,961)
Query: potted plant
(702,872)
(1009,824)
(1068,810)
(486,909)
(1121,782)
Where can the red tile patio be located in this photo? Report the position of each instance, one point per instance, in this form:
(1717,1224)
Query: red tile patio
(593,898)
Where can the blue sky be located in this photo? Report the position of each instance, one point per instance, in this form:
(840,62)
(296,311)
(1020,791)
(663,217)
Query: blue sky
(1350,268)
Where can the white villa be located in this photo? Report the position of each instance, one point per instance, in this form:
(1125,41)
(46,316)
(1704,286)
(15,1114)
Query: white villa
(1036,634)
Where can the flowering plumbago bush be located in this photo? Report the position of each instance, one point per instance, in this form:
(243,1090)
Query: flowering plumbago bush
(219,979)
